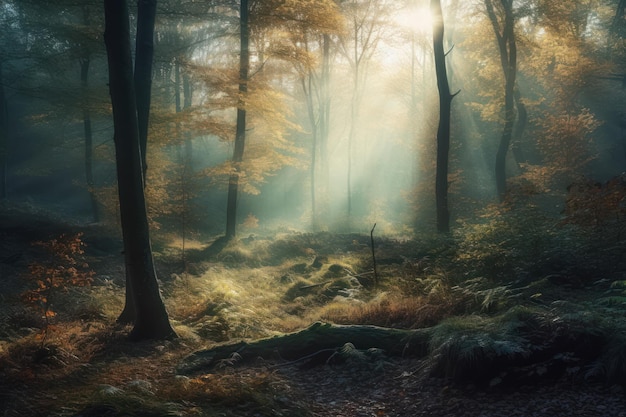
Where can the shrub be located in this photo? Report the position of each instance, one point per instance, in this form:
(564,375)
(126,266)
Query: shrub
(61,270)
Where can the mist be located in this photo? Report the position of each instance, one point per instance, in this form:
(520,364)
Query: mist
(373,163)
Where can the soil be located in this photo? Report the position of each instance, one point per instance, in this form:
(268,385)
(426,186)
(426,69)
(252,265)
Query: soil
(393,387)
(397,390)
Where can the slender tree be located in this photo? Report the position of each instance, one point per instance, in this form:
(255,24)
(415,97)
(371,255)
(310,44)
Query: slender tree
(84,61)
(505,35)
(240,134)
(443,131)
(310,49)
(616,29)
(359,46)
(144,55)
(150,319)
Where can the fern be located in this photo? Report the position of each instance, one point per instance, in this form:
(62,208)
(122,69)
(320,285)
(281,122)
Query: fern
(462,346)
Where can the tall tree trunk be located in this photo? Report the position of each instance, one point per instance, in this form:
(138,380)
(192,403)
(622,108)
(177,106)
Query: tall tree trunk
(177,100)
(144,54)
(151,320)
(324,121)
(307,88)
(187,91)
(84,80)
(85,62)
(443,131)
(508,59)
(520,127)
(240,134)
(618,20)
(354,114)
(4,137)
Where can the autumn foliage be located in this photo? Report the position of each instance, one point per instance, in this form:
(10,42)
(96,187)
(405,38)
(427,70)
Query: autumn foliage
(60,270)
(597,205)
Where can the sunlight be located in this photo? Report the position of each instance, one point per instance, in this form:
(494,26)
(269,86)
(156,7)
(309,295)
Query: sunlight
(416,19)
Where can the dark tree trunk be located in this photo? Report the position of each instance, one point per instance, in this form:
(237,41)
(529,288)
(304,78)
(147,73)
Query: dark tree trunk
(151,320)
(508,58)
(177,100)
(617,27)
(4,137)
(240,135)
(520,127)
(443,131)
(144,53)
(146,10)
(84,80)
(85,62)
(187,91)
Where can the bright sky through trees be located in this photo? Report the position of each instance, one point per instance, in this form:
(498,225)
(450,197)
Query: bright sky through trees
(415,18)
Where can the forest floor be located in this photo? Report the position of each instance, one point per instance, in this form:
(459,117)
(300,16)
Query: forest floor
(262,287)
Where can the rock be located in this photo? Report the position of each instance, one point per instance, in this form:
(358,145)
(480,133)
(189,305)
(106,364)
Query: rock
(319,261)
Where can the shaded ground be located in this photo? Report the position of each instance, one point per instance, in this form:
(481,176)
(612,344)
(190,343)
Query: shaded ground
(89,369)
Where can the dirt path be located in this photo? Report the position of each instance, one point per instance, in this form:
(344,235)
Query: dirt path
(396,390)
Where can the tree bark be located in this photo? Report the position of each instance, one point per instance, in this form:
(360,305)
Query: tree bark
(520,127)
(151,320)
(240,135)
(187,91)
(443,131)
(324,122)
(144,54)
(618,20)
(508,58)
(307,88)
(177,86)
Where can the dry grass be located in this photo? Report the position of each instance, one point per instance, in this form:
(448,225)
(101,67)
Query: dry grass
(245,292)
(390,311)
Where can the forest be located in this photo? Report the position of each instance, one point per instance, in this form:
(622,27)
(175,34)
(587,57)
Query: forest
(312,208)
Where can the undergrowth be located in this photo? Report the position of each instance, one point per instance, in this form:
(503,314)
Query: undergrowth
(514,296)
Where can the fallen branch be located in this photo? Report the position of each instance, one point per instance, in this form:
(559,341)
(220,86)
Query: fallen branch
(315,338)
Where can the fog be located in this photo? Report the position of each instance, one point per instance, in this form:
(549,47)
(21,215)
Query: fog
(373,160)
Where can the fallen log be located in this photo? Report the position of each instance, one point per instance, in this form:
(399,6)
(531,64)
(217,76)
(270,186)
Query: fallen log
(317,337)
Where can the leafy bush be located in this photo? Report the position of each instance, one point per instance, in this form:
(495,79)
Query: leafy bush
(61,270)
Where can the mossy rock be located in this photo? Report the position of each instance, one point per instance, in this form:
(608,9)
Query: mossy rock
(216,329)
(336,271)
(300,288)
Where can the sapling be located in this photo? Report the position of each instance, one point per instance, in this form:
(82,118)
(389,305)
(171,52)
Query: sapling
(59,271)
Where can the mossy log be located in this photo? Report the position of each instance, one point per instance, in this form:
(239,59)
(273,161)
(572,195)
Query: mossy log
(315,338)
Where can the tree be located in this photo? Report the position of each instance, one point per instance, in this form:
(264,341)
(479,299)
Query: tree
(358,47)
(240,135)
(150,320)
(144,55)
(85,55)
(507,46)
(144,52)
(443,131)
(310,54)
